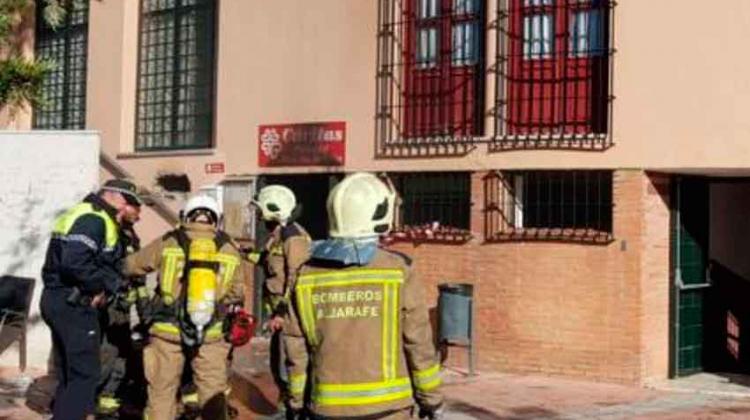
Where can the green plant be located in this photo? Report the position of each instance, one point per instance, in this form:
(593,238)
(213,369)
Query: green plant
(22,78)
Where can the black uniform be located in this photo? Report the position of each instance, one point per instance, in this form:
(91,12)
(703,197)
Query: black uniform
(83,260)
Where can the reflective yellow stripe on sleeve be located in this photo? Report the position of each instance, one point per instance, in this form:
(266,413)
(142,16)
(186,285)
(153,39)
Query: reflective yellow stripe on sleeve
(230,263)
(427,379)
(297,384)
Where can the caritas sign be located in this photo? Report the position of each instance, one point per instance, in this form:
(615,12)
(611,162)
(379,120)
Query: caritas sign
(306,144)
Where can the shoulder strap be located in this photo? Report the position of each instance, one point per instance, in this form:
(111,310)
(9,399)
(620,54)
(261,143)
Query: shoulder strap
(183,240)
(221,238)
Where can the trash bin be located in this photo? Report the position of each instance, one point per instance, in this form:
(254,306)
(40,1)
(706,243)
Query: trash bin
(455,317)
(454,303)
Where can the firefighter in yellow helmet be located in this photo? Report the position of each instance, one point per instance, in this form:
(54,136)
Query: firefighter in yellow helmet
(360,326)
(200,284)
(287,248)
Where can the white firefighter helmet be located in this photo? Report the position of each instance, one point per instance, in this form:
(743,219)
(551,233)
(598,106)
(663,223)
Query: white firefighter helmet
(360,205)
(276,203)
(202,202)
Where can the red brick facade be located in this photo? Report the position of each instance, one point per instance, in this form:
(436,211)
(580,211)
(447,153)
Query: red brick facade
(582,310)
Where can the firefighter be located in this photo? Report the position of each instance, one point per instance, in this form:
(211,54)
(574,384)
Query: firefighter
(287,248)
(81,272)
(360,326)
(118,351)
(200,282)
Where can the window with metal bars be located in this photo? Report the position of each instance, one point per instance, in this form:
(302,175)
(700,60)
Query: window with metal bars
(431,71)
(176,74)
(64,88)
(435,201)
(570,205)
(553,88)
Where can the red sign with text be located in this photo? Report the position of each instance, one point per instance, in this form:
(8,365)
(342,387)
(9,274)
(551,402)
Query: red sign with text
(306,144)
(215,168)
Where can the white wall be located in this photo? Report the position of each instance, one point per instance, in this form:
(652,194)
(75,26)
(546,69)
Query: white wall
(41,174)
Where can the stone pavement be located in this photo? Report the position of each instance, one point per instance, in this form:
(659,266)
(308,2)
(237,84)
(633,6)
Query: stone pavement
(485,397)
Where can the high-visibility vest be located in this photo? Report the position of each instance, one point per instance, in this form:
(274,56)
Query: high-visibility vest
(64,223)
(395,382)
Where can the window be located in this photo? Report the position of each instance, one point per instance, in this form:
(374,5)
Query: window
(428,198)
(585,34)
(176,74)
(555,84)
(537,36)
(64,88)
(550,205)
(431,66)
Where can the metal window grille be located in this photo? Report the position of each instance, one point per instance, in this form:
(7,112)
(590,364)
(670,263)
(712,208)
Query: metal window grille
(176,74)
(64,89)
(430,80)
(439,201)
(554,74)
(567,205)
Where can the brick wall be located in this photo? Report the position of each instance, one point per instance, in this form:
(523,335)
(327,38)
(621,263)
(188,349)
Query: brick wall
(563,308)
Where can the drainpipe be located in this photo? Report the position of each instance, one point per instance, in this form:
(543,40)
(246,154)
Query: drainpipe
(150,199)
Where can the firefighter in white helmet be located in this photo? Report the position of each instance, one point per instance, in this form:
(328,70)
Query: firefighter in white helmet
(287,248)
(200,286)
(359,324)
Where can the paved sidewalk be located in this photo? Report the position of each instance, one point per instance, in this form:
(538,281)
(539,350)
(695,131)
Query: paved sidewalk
(484,397)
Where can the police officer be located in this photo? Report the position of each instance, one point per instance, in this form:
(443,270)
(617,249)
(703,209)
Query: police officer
(287,248)
(360,325)
(80,273)
(200,280)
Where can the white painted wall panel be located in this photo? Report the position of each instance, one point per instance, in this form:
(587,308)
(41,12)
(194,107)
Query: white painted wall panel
(41,174)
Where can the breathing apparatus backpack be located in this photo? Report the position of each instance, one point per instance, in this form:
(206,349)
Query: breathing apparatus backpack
(197,306)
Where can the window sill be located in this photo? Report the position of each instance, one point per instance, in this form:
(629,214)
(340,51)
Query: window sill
(166,153)
(553,235)
(592,141)
(419,234)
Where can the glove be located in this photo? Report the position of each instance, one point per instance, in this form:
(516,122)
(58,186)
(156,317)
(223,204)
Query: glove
(432,413)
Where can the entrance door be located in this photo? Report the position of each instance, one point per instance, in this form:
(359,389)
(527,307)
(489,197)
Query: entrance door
(311,191)
(690,238)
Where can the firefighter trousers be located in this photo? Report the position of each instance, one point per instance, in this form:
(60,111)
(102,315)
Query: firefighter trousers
(163,363)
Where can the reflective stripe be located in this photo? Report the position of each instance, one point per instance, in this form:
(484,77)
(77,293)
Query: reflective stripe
(394,328)
(254,257)
(229,263)
(386,336)
(108,403)
(142,292)
(171,258)
(340,277)
(427,379)
(64,223)
(297,384)
(80,238)
(165,327)
(307,313)
(191,398)
(362,394)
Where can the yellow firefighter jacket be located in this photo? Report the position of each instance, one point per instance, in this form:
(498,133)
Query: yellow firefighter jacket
(369,338)
(166,256)
(288,247)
